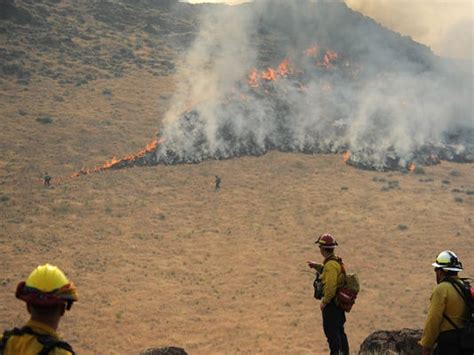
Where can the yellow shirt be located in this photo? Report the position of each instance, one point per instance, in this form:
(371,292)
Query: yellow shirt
(332,278)
(28,344)
(444,299)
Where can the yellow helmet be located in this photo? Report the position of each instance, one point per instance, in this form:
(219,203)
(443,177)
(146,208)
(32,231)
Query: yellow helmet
(47,285)
(46,278)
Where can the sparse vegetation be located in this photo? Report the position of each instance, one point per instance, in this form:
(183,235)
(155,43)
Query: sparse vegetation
(402,227)
(44,119)
(455,173)
(107,92)
(419,170)
(458,199)
(426,180)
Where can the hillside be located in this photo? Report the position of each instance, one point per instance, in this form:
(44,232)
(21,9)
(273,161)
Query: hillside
(158,256)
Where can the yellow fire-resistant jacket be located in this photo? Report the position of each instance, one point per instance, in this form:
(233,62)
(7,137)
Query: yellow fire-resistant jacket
(331,277)
(27,344)
(444,299)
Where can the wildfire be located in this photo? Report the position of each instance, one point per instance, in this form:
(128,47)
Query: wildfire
(312,51)
(284,68)
(150,147)
(270,74)
(329,56)
(346,156)
(253,78)
(412,167)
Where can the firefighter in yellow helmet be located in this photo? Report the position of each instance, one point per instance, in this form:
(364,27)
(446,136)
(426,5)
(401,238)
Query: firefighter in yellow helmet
(48,294)
(447,310)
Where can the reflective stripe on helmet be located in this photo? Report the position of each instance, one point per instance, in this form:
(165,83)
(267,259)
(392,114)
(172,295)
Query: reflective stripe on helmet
(447,260)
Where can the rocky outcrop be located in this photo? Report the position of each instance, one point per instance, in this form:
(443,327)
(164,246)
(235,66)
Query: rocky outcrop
(402,342)
(171,350)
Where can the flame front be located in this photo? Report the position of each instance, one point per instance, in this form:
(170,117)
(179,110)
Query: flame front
(150,147)
(346,156)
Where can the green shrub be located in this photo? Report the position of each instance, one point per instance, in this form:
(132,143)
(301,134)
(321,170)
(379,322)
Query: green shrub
(44,120)
(106,92)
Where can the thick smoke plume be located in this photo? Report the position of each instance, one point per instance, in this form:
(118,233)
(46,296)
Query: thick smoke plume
(347,84)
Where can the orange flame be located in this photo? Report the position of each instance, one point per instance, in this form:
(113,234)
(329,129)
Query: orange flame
(253,78)
(329,56)
(270,74)
(114,162)
(284,68)
(411,167)
(346,156)
(312,51)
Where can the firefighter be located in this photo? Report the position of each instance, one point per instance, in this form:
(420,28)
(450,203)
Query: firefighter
(447,309)
(48,294)
(46,179)
(332,278)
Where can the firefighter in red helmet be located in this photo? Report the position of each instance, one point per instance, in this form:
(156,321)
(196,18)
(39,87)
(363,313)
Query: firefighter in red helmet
(48,294)
(332,277)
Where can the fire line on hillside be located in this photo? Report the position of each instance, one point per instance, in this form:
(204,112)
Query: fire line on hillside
(321,66)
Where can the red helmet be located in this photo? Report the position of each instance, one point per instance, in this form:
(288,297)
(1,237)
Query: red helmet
(326,241)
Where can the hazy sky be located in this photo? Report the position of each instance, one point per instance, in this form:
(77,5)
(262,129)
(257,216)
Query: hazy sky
(446,26)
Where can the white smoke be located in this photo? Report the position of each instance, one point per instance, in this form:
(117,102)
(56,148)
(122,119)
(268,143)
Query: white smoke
(384,98)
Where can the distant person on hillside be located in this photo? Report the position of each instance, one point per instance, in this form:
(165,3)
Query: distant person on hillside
(332,277)
(46,179)
(48,294)
(447,311)
(218,183)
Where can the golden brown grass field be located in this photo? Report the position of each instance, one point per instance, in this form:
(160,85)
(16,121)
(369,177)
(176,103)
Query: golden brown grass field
(161,259)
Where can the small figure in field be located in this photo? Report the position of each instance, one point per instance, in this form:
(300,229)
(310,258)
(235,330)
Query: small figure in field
(48,294)
(218,183)
(449,310)
(46,179)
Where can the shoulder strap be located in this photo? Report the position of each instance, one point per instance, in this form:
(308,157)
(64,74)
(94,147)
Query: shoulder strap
(459,290)
(338,260)
(450,321)
(7,334)
(48,342)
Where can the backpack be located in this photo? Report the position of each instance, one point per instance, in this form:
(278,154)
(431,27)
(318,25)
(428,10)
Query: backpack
(48,342)
(467,332)
(347,293)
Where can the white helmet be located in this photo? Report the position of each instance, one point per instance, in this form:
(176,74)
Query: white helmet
(448,261)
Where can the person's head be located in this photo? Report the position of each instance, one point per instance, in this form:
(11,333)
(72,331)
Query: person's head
(327,243)
(47,293)
(446,264)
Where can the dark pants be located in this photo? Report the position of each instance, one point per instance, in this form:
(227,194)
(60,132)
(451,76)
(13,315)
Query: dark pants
(333,324)
(448,344)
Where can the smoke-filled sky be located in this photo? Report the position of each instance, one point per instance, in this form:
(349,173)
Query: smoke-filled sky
(446,26)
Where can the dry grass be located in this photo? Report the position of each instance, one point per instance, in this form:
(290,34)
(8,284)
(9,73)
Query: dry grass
(161,259)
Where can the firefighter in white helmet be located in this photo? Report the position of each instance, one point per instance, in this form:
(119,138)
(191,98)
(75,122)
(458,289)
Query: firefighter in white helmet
(447,309)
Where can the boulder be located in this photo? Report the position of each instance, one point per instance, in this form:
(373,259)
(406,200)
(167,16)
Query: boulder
(171,350)
(402,342)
